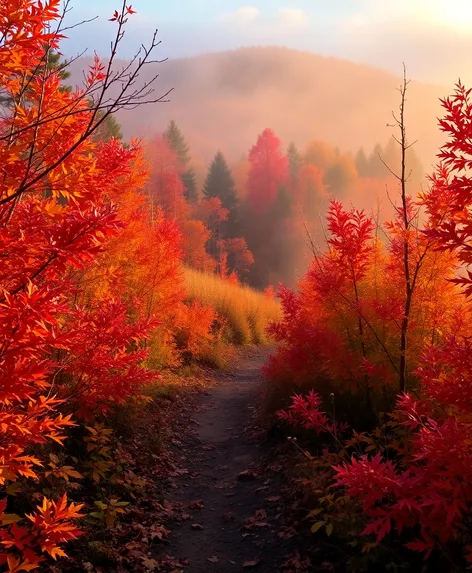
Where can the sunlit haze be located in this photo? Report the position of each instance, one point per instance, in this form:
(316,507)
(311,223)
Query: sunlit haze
(432,36)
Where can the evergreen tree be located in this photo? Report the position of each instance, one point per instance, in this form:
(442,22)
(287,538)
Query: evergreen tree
(377,169)
(108,129)
(220,183)
(176,141)
(392,157)
(294,161)
(341,175)
(189,180)
(282,208)
(362,163)
(54,62)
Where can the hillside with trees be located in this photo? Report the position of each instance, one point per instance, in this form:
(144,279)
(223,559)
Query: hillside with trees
(225,99)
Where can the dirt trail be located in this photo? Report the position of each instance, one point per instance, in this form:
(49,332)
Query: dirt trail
(235,530)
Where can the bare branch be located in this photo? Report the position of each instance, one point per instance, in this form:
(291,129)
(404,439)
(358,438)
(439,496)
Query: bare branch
(103,104)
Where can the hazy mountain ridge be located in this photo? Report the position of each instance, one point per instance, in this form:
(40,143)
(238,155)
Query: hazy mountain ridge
(223,100)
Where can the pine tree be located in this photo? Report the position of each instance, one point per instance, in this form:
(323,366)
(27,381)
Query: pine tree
(283,205)
(189,180)
(54,62)
(362,163)
(177,142)
(294,161)
(220,183)
(377,169)
(392,158)
(108,129)
(341,175)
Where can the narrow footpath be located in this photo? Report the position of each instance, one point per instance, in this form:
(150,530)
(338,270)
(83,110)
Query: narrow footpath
(232,490)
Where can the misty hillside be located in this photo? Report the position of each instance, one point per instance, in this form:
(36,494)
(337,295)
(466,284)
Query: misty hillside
(223,100)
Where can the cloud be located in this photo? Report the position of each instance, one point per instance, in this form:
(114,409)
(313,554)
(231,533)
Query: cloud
(285,19)
(292,18)
(242,16)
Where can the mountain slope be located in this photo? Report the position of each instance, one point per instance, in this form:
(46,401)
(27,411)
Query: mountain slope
(223,100)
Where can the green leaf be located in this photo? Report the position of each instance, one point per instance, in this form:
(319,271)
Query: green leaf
(317,525)
(329,529)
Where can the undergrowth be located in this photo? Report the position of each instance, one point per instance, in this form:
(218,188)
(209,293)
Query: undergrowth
(246,312)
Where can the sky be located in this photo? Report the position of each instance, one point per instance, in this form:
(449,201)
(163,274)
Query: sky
(432,37)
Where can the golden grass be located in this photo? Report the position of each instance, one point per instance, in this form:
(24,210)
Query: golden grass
(246,311)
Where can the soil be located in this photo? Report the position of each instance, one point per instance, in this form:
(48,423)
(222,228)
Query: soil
(231,492)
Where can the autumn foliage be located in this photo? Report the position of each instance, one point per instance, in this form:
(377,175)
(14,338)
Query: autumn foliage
(341,335)
(79,306)
(113,268)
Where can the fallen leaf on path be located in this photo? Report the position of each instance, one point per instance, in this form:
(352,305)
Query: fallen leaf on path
(256,524)
(197,526)
(296,563)
(247,475)
(213,559)
(158,531)
(253,563)
(257,520)
(150,564)
(287,533)
(272,499)
(276,467)
(196,504)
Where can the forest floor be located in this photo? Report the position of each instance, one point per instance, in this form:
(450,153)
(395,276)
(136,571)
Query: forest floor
(232,491)
(216,499)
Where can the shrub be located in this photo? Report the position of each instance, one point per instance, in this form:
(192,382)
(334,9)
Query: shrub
(246,312)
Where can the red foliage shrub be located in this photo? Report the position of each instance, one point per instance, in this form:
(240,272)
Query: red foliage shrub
(417,483)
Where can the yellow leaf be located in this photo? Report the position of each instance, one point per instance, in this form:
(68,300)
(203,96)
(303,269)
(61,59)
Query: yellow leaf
(7,518)
(316,526)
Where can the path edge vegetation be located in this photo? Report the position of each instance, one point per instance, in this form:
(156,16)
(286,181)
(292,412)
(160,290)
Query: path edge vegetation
(372,391)
(101,339)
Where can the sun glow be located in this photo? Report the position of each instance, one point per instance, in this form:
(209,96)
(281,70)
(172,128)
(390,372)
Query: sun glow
(456,14)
